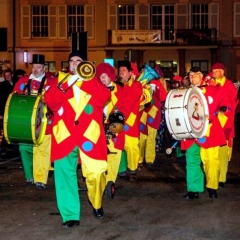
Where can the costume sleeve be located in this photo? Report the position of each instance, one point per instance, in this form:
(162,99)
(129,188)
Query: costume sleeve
(54,97)
(133,93)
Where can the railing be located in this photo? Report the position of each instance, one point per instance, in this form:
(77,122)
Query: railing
(162,37)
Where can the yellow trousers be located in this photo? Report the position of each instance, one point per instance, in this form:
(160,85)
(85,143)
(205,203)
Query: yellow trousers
(147,146)
(132,150)
(211,166)
(41,160)
(95,173)
(113,161)
(225,154)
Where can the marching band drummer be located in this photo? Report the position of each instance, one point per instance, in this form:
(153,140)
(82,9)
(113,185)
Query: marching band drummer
(78,133)
(106,74)
(205,149)
(36,159)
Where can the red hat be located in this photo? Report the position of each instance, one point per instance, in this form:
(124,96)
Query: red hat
(105,68)
(177,78)
(217,66)
(134,69)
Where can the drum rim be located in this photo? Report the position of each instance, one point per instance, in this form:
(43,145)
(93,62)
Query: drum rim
(187,94)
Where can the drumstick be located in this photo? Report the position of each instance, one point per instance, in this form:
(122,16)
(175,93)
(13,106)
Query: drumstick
(169,150)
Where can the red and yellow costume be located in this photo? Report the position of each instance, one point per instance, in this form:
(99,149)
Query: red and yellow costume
(150,119)
(133,90)
(226,119)
(116,143)
(78,133)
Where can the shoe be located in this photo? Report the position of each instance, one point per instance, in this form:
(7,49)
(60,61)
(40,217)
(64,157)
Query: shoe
(40,185)
(29,181)
(133,177)
(150,166)
(221,184)
(122,175)
(140,166)
(212,193)
(191,195)
(98,213)
(70,224)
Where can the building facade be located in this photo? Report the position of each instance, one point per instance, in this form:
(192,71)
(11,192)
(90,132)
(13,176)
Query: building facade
(176,35)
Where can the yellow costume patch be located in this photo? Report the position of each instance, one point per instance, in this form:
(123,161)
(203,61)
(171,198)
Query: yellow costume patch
(62,134)
(153,111)
(222,119)
(143,118)
(79,107)
(131,119)
(92,132)
(208,130)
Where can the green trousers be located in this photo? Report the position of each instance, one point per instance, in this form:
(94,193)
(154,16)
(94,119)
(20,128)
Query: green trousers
(66,186)
(195,176)
(26,152)
(123,163)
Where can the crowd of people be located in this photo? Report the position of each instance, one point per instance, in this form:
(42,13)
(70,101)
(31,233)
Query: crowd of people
(111,122)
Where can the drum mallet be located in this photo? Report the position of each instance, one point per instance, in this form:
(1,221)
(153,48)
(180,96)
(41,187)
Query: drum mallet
(169,150)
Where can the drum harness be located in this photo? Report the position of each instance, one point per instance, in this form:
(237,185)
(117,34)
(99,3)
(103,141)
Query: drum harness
(27,88)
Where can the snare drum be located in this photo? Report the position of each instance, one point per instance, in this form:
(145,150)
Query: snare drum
(25,119)
(116,122)
(186,113)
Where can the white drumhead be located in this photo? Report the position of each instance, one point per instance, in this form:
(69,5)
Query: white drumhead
(186,113)
(197,111)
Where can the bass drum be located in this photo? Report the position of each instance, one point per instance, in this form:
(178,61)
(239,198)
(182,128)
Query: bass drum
(186,113)
(116,122)
(25,119)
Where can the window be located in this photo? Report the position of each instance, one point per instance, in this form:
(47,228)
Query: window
(39,21)
(203,64)
(162,18)
(75,19)
(200,13)
(126,20)
(236,19)
(50,66)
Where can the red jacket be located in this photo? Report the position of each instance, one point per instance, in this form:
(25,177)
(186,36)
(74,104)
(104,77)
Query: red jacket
(78,118)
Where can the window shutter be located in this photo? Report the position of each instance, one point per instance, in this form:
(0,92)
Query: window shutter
(236,20)
(89,20)
(144,20)
(182,20)
(112,17)
(52,21)
(25,22)
(214,16)
(62,22)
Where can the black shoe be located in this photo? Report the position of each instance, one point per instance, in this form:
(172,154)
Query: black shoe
(70,224)
(149,166)
(191,195)
(98,213)
(221,184)
(132,177)
(212,193)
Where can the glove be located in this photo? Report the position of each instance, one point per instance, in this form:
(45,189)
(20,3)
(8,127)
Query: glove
(119,83)
(223,109)
(146,105)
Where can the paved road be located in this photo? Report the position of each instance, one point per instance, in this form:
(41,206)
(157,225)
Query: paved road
(151,208)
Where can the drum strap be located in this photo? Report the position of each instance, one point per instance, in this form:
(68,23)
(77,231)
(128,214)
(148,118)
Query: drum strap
(27,86)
